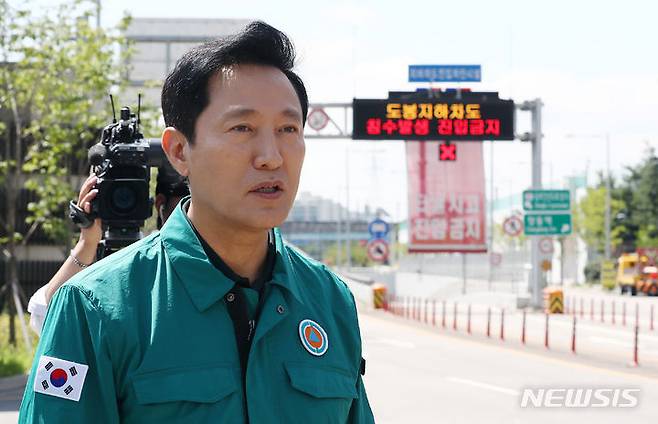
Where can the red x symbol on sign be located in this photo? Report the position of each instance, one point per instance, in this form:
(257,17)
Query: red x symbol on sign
(447,151)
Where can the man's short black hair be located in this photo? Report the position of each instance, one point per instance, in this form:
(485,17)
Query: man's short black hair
(185,92)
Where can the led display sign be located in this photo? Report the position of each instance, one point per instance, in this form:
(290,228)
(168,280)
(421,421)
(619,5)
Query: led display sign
(429,115)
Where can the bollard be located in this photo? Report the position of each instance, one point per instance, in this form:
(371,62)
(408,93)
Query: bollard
(567,301)
(468,325)
(414,310)
(573,336)
(623,314)
(602,311)
(651,319)
(582,307)
(635,358)
(433,312)
(613,313)
(523,328)
(454,317)
(637,314)
(426,311)
(443,313)
(546,332)
(489,322)
(502,324)
(591,309)
(410,307)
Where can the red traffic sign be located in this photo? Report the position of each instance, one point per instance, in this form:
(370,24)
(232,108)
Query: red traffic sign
(546,245)
(513,226)
(378,250)
(317,119)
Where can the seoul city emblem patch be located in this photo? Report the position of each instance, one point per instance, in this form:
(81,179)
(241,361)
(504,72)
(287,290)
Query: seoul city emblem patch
(313,337)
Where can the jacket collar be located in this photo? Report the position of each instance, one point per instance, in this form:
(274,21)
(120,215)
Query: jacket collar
(284,274)
(204,283)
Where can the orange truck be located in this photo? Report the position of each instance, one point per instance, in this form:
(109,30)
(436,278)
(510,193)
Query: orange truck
(638,272)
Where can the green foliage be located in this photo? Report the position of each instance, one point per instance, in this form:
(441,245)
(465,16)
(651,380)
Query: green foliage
(359,255)
(593,272)
(589,218)
(634,209)
(60,70)
(14,359)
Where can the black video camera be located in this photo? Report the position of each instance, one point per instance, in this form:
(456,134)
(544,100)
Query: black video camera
(121,161)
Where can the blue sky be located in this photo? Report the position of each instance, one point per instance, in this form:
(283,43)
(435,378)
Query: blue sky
(594,64)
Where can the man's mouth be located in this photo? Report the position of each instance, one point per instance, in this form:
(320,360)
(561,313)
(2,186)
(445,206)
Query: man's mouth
(267,190)
(270,187)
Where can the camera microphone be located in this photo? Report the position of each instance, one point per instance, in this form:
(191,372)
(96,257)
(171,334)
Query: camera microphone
(96,154)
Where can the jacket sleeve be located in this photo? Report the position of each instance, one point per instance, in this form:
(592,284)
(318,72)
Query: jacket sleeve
(73,332)
(360,412)
(37,308)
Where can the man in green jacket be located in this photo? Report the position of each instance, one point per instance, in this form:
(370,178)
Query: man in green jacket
(214,319)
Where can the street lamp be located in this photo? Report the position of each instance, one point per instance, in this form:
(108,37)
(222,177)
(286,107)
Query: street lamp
(605,137)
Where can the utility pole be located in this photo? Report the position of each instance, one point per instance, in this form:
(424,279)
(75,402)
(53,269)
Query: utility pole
(98,14)
(536,280)
(348,226)
(607,197)
(608,191)
(491,213)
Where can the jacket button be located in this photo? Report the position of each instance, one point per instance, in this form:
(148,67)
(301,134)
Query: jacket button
(230,297)
(280,309)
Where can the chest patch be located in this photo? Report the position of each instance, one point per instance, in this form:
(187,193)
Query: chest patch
(313,337)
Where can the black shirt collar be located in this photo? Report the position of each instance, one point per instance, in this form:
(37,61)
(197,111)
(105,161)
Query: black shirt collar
(218,263)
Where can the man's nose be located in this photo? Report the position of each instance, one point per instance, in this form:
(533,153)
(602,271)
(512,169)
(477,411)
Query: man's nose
(268,155)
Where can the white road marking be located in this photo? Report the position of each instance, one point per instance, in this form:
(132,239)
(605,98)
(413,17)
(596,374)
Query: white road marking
(484,386)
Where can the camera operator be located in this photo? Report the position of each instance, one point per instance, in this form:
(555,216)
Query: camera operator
(168,195)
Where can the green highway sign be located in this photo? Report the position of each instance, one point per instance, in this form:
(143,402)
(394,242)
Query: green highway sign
(546,200)
(547,224)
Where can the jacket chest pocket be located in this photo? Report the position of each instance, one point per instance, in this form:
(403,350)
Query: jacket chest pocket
(327,391)
(188,395)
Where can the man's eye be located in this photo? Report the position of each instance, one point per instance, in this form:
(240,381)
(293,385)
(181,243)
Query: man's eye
(241,128)
(289,129)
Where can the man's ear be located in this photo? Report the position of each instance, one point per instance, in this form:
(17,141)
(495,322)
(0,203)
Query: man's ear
(176,147)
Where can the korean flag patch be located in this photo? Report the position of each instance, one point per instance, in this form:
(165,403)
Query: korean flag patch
(57,377)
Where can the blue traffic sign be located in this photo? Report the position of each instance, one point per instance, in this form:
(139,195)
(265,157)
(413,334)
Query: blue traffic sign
(445,73)
(378,229)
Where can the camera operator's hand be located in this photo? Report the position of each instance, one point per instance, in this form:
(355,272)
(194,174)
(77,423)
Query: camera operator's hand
(89,237)
(85,250)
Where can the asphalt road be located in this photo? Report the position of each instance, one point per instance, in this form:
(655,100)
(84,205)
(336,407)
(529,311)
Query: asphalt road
(417,374)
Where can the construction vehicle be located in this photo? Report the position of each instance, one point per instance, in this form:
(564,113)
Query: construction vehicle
(638,272)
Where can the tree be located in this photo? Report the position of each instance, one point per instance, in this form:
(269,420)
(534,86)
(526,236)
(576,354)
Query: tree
(643,188)
(589,217)
(57,70)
